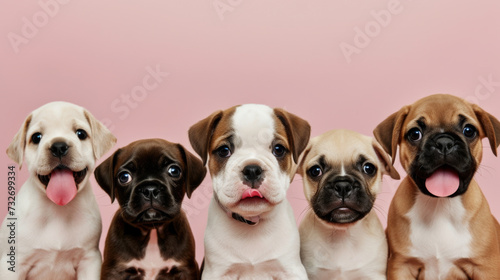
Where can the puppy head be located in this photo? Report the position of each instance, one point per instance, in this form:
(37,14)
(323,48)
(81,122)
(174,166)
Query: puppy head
(252,151)
(149,178)
(439,140)
(60,143)
(342,174)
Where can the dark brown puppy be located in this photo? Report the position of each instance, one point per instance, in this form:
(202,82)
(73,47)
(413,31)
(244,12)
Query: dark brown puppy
(150,237)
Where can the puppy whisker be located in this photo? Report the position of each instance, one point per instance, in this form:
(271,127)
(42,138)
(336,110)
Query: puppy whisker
(381,211)
(486,168)
(304,211)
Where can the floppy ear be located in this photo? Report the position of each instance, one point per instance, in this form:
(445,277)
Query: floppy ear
(298,131)
(16,148)
(201,132)
(104,175)
(195,170)
(385,159)
(101,137)
(387,132)
(490,125)
(302,158)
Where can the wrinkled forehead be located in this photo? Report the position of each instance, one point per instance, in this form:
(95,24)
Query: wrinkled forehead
(58,117)
(150,152)
(440,112)
(340,149)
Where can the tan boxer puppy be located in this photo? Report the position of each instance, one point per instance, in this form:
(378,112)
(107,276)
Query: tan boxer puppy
(440,225)
(341,235)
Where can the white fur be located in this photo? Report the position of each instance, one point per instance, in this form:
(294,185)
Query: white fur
(438,236)
(342,170)
(153,262)
(230,243)
(52,241)
(349,253)
(253,135)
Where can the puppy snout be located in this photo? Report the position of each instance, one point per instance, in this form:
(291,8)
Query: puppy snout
(343,188)
(59,149)
(252,173)
(149,192)
(445,144)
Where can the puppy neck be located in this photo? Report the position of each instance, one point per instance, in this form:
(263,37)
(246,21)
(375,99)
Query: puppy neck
(429,208)
(251,221)
(159,228)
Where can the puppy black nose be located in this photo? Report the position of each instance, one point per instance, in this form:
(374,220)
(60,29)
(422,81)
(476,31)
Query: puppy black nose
(59,149)
(149,192)
(444,144)
(252,173)
(342,188)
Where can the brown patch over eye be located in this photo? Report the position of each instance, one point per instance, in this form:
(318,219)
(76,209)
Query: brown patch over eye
(220,148)
(280,147)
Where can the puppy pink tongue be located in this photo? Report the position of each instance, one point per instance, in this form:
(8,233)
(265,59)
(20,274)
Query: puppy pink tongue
(251,193)
(442,183)
(62,187)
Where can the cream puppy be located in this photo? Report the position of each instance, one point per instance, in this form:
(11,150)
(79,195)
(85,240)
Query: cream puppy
(58,220)
(341,236)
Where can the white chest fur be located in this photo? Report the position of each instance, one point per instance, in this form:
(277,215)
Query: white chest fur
(153,262)
(357,252)
(269,250)
(439,233)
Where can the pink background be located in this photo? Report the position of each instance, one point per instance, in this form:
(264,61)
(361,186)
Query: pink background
(280,53)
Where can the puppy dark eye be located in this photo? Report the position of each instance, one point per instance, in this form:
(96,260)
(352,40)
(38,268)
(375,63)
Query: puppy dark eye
(470,131)
(124,178)
(315,171)
(223,151)
(414,134)
(36,137)
(174,171)
(82,135)
(279,151)
(369,168)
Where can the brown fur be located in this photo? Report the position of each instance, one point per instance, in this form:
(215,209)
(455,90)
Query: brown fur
(441,111)
(126,240)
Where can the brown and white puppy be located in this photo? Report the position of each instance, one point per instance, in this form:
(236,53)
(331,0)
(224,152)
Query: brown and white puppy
(58,220)
(150,236)
(440,225)
(341,236)
(252,152)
